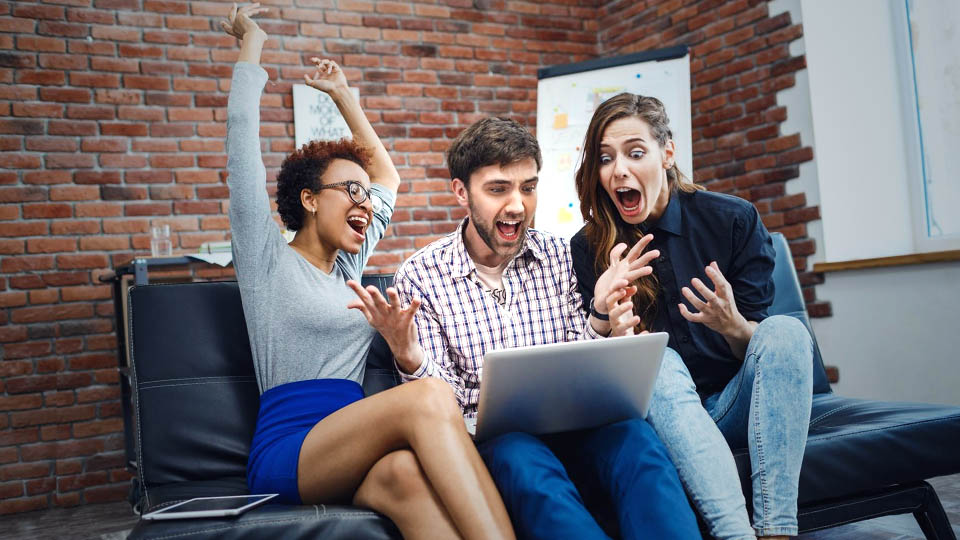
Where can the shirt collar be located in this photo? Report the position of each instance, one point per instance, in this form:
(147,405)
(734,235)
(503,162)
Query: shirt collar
(672,219)
(461,265)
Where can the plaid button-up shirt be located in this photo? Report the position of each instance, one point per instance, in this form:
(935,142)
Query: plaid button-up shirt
(459,320)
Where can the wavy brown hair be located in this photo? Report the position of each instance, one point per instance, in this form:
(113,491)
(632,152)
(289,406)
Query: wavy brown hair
(604,226)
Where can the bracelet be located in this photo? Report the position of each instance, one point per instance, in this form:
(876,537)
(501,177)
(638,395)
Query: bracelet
(596,314)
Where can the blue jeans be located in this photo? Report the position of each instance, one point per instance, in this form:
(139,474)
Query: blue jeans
(625,461)
(765,407)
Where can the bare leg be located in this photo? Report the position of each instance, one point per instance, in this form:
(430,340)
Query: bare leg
(423,416)
(397,487)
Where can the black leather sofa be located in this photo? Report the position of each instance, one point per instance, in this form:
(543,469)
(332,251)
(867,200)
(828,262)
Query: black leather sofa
(195,405)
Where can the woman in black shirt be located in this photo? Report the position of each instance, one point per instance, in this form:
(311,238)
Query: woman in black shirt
(731,371)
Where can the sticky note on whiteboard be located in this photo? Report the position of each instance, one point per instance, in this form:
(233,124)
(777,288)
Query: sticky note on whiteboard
(560,121)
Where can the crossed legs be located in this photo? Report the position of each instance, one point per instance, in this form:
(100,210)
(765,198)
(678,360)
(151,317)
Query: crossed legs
(405,453)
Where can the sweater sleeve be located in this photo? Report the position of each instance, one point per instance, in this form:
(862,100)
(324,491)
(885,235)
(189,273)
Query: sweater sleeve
(255,235)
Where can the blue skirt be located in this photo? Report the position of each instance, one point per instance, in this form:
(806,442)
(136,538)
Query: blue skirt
(287,413)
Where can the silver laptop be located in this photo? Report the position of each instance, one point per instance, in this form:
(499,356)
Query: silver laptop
(566,386)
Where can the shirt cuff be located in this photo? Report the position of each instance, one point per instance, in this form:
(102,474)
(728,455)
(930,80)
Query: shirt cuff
(590,333)
(387,197)
(419,373)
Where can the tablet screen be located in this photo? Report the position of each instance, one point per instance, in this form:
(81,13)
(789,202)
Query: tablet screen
(210,507)
(217,503)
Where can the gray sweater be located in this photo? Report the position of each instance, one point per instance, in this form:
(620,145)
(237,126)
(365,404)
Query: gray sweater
(297,316)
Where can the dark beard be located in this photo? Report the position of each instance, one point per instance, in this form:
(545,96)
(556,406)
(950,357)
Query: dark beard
(488,235)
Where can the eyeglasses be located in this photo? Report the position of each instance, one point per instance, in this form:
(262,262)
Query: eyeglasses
(355,190)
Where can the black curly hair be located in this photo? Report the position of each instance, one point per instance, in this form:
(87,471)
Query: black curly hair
(302,170)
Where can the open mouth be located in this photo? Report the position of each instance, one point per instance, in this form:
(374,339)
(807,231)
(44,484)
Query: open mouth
(358,224)
(630,200)
(509,230)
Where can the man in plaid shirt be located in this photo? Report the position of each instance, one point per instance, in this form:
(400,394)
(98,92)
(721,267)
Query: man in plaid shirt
(496,283)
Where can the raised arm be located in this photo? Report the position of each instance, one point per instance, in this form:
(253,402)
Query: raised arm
(329,78)
(241,26)
(255,236)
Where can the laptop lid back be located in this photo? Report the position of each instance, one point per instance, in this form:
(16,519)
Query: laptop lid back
(566,386)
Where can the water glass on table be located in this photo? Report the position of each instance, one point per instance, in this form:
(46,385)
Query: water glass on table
(160,243)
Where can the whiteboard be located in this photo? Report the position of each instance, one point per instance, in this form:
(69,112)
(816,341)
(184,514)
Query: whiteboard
(566,98)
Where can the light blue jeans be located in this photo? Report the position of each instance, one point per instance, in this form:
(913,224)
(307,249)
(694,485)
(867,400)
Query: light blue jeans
(765,407)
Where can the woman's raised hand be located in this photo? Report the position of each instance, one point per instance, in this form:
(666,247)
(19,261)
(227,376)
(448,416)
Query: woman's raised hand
(327,76)
(240,22)
(623,270)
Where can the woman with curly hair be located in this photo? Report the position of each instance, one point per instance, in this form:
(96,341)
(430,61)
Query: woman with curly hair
(403,452)
(731,371)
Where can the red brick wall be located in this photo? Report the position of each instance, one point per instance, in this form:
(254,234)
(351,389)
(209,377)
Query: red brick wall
(739,60)
(113,119)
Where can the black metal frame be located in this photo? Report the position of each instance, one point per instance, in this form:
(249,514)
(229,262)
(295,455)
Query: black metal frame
(918,498)
(669,53)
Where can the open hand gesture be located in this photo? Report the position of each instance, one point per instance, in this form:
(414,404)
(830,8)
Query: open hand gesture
(623,271)
(327,77)
(240,22)
(394,324)
(718,308)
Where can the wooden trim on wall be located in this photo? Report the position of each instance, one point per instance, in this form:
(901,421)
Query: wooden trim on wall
(882,262)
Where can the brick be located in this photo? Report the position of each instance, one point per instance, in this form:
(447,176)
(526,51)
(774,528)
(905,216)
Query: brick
(51,313)
(147,209)
(103,393)
(22,471)
(57,279)
(41,44)
(122,161)
(10,490)
(97,427)
(9,334)
(38,12)
(26,263)
(98,209)
(16,403)
(51,245)
(81,261)
(63,127)
(74,193)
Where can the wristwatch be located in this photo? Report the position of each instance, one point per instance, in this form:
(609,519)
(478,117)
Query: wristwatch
(596,314)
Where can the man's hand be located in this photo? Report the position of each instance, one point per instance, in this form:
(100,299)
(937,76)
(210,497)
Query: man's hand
(394,324)
(718,308)
(240,22)
(623,271)
(328,77)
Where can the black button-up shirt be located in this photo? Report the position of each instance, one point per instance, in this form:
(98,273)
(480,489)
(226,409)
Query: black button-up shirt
(695,229)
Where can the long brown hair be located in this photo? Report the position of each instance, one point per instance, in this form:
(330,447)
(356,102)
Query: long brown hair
(604,226)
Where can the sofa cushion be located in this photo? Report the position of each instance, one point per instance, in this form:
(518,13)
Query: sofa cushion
(857,445)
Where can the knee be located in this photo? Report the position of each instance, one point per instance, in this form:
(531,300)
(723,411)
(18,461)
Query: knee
(433,401)
(639,445)
(674,377)
(510,451)
(519,462)
(632,434)
(784,331)
(396,476)
(790,343)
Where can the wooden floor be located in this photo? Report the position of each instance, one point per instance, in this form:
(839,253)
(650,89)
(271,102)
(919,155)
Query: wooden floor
(115,520)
